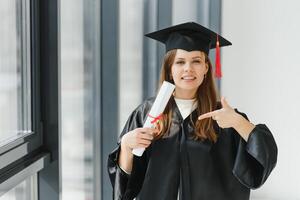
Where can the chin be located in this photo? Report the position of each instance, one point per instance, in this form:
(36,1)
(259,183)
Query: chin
(184,87)
(190,86)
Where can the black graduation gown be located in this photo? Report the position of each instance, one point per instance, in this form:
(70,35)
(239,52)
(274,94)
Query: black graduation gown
(199,170)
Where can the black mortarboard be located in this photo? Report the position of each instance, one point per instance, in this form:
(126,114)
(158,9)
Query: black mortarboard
(188,36)
(191,36)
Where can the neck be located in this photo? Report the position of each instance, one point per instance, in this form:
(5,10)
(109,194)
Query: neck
(184,94)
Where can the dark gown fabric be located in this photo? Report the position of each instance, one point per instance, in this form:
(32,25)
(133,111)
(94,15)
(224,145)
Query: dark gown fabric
(199,170)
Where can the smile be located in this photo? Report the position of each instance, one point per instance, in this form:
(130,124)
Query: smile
(188,78)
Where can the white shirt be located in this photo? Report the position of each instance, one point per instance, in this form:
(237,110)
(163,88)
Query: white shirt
(186,106)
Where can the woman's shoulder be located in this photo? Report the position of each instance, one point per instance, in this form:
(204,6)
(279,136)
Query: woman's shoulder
(147,103)
(144,107)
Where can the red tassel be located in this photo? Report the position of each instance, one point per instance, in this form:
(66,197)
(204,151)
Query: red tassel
(218,72)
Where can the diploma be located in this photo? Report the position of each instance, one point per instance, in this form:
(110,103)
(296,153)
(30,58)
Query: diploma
(157,109)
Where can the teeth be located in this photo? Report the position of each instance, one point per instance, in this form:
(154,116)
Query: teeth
(188,78)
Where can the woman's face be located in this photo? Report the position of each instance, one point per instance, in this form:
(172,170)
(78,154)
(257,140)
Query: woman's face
(188,72)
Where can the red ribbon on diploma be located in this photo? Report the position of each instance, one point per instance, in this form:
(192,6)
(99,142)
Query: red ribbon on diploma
(155,118)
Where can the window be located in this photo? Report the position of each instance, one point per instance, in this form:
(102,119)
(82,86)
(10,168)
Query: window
(20,155)
(131,50)
(80,65)
(15,73)
(26,190)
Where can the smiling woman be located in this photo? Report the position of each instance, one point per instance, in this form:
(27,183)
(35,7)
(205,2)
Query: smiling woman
(205,148)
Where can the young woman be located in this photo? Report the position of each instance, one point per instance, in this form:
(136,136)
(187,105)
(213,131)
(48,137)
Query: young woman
(199,149)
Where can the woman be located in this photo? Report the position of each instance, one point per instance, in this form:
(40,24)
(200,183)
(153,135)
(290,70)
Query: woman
(199,149)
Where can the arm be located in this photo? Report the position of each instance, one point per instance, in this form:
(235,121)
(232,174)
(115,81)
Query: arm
(256,153)
(139,137)
(243,126)
(127,186)
(256,158)
(125,159)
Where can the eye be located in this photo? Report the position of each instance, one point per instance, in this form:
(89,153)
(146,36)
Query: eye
(197,61)
(180,62)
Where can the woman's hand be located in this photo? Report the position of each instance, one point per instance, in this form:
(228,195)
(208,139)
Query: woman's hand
(226,117)
(138,138)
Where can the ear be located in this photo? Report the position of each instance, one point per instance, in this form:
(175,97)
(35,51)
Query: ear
(206,68)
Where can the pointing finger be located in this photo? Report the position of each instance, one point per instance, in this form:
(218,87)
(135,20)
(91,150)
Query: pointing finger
(209,114)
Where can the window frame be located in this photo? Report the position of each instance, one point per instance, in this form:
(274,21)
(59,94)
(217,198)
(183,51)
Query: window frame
(31,139)
(25,156)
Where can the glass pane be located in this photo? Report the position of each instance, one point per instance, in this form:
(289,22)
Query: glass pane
(26,190)
(131,54)
(79,58)
(184,12)
(15,120)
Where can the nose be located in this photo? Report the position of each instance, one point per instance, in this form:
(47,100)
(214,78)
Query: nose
(187,67)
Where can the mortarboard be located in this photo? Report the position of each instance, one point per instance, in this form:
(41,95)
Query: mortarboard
(191,36)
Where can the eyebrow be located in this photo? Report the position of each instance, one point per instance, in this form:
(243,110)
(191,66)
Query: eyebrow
(196,57)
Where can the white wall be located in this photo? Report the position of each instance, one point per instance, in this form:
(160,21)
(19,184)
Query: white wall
(261,77)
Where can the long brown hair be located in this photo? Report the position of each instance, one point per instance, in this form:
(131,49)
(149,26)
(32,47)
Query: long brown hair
(206,97)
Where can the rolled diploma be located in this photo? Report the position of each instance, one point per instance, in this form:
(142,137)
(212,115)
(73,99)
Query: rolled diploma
(157,108)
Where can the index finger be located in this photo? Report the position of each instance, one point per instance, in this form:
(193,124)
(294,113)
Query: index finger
(209,114)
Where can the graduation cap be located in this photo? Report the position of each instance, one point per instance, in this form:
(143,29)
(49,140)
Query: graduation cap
(191,36)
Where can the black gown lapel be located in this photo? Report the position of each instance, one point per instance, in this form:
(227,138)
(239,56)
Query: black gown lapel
(186,132)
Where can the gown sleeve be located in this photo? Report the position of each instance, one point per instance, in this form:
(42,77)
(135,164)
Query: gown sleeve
(256,158)
(126,186)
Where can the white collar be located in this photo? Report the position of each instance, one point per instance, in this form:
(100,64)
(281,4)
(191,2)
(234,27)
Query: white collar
(186,106)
